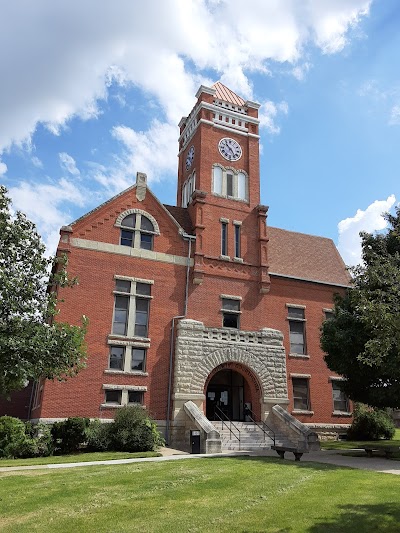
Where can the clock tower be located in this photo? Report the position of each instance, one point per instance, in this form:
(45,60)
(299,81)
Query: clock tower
(219,184)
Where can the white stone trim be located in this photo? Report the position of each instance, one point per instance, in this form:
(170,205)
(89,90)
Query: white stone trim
(299,356)
(138,344)
(237,222)
(230,297)
(137,211)
(225,257)
(342,413)
(337,378)
(297,306)
(112,371)
(113,386)
(302,412)
(118,249)
(226,220)
(138,280)
(295,375)
(326,310)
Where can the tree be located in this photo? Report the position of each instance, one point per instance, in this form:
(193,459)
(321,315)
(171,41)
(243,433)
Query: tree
(362,340)
(32,343)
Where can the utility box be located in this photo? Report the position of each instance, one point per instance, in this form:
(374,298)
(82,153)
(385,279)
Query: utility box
(195,441)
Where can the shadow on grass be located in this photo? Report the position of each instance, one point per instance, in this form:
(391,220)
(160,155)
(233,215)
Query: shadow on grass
(281,462)
(365,518)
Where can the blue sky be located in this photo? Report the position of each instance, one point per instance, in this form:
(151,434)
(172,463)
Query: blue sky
(92,92)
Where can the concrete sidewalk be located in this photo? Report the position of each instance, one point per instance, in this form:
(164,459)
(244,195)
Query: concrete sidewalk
(332,457)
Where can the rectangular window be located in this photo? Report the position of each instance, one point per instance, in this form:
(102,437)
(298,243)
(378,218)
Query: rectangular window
(135,396)
(224,238)
(229,184)
(297,330)
(121,315)
(117,356)
(237,240)
(230,313)
(340,400)
(328,314)
(301,400)
(113,397)
(141,317)
(138,360)
(131,309)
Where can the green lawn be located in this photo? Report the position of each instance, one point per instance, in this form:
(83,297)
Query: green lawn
(231,494)
(351,444)
(76,458)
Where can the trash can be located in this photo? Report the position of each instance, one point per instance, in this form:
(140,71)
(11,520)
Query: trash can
(195,441)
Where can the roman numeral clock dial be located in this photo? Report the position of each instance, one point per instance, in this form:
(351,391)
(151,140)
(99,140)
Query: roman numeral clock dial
(230,149)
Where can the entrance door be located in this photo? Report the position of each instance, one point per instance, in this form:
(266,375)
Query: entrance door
(225,391)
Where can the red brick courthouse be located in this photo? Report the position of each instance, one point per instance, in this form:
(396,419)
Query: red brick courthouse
(201,304)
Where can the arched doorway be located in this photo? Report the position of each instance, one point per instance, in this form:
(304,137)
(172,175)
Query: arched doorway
(229,390)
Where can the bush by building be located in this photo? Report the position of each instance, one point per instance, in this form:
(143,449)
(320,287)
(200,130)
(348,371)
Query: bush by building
(70,434)
(370,424)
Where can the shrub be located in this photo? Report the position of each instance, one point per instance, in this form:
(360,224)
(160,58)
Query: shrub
(12,436)
(99,436)
(133,431)
(69,434)
(41,433)
(370,424)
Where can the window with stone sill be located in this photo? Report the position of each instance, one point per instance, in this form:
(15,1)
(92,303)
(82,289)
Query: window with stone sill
(112,397)
(137,231)
(135,397)
(131,308)
(340,399)
(297,330)
(230,313)
(301,394)
(188,188)
(116,397)
(127,358)
(237,243)
(229,182)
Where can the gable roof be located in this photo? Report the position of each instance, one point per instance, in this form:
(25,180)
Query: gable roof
(224,93)
(301,256)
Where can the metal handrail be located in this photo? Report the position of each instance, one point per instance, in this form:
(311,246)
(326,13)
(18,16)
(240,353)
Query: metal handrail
(251,415)
(218,412)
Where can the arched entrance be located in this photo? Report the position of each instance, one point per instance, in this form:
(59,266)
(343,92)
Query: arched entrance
(228,389)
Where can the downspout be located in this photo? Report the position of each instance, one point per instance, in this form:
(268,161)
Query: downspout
(189,238)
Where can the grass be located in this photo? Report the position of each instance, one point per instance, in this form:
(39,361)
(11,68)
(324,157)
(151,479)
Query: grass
(352,444)
(235,494)
(76,458)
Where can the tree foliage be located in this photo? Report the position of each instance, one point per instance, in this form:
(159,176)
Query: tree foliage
(362,340)
(32,344)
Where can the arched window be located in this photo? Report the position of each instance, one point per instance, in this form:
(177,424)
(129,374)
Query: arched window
(188,189)
(137,231)
(230,183)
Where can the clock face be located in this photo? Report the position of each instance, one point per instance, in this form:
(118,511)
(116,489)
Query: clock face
(230,149)
(189,157)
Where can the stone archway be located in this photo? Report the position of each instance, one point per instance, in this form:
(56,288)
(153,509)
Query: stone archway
(232,387)
(199,350)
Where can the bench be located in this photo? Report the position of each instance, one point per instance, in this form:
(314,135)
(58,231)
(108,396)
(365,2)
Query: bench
(387,451)
(281,450)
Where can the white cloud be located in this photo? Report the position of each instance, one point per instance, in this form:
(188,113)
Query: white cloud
(369,220)
(3,168)
(300,71)
(269,112)
(394,119)
(37,162)
(41,203)
(68,164)
(57,64)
